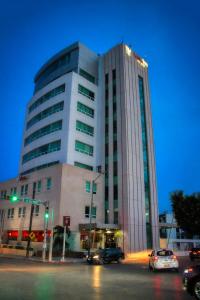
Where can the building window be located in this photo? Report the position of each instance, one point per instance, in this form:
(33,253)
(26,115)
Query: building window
(86,92)
(22,190)
(45,113)
(94,188)
(26,189)
(43,131)
(36,210)
(11,213)
(80,126)
(49,183)
(145,161)
(40,167)
(60,89)
(21,212)
(87,211)
(3,194)
(85,109)
(115,217)
(84,166)
(42,150)
(39,186)
(87,186)
(83,148)
(87,76)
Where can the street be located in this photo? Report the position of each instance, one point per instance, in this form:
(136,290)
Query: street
(21,279)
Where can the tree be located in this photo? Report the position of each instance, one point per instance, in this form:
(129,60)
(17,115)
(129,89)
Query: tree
(186,209)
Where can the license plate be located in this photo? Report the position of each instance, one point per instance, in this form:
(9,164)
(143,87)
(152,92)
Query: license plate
(166,265)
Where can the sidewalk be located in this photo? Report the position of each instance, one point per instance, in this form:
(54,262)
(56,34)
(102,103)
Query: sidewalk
(56,260)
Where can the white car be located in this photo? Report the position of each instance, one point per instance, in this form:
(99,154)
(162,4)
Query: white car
(163,259)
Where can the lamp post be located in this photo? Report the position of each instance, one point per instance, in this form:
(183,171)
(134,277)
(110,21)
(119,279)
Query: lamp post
(91,206)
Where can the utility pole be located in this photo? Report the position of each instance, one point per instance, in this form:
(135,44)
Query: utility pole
(91,206)
(46,217)
(64,239)
(31,220)
(51,238)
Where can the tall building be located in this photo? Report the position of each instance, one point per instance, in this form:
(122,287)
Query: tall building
(93,112)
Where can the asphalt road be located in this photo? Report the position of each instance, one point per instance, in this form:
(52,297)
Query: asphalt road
(24,280)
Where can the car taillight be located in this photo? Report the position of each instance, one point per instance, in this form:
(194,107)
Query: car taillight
(174,257)
(156,258)
(188,270)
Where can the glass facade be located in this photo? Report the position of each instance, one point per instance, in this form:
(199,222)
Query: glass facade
(60,89)
(43,131)
(84,148)
(84,166)
(86,92)
(80,126)
(45,113)
(42,150)
(40,167)
(115,152)
(145,162)
(106,148)
(87,76)
(85,109)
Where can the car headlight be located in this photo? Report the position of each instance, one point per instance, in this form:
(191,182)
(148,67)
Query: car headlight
(96,256)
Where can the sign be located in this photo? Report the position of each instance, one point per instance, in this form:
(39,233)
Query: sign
(32,235)
(66,221)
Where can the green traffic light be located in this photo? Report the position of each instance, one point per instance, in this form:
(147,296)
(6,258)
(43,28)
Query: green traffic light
(46,215)
(14,198)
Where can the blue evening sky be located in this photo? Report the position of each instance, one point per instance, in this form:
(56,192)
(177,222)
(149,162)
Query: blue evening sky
(165,33)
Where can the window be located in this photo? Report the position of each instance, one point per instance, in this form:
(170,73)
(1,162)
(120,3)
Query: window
(43,131)
(87,211)
(21,212)
(94,188)
(49,183)
(85,109)
(94,212)
(36,210)
(45,113)
(84,166)
(80,126)
(87,93)
(60,89)
(39,186)
(87,186)
(22,190)
(40,167)
(87,76)
(26,189)
(11,213)
(83,148)
(45,149)
(115,217)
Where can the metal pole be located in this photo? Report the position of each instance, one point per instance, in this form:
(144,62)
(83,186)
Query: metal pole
(51,239)
(64,239)
(30,222)
(91,205)
(45,234)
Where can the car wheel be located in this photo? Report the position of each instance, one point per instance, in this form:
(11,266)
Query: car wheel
(89,261)
(119,260)
(197,289)
(176,270)
(191,258)
(106,261)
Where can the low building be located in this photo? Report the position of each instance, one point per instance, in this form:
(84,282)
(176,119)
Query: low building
(172,236)
(68,191)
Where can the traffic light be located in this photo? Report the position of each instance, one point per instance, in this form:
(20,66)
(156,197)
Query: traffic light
(13,198)
(46,215)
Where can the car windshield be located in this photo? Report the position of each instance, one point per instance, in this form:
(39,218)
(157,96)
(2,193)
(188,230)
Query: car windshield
(164,253)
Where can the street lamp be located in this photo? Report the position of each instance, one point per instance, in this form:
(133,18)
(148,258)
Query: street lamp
(91,206)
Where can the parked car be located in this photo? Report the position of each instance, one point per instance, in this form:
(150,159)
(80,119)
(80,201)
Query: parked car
(105,256)
(163,259)
(191,281)
(194,253)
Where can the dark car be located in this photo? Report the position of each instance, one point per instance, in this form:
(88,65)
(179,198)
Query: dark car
(106,256)
(194,253)
(191,281)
